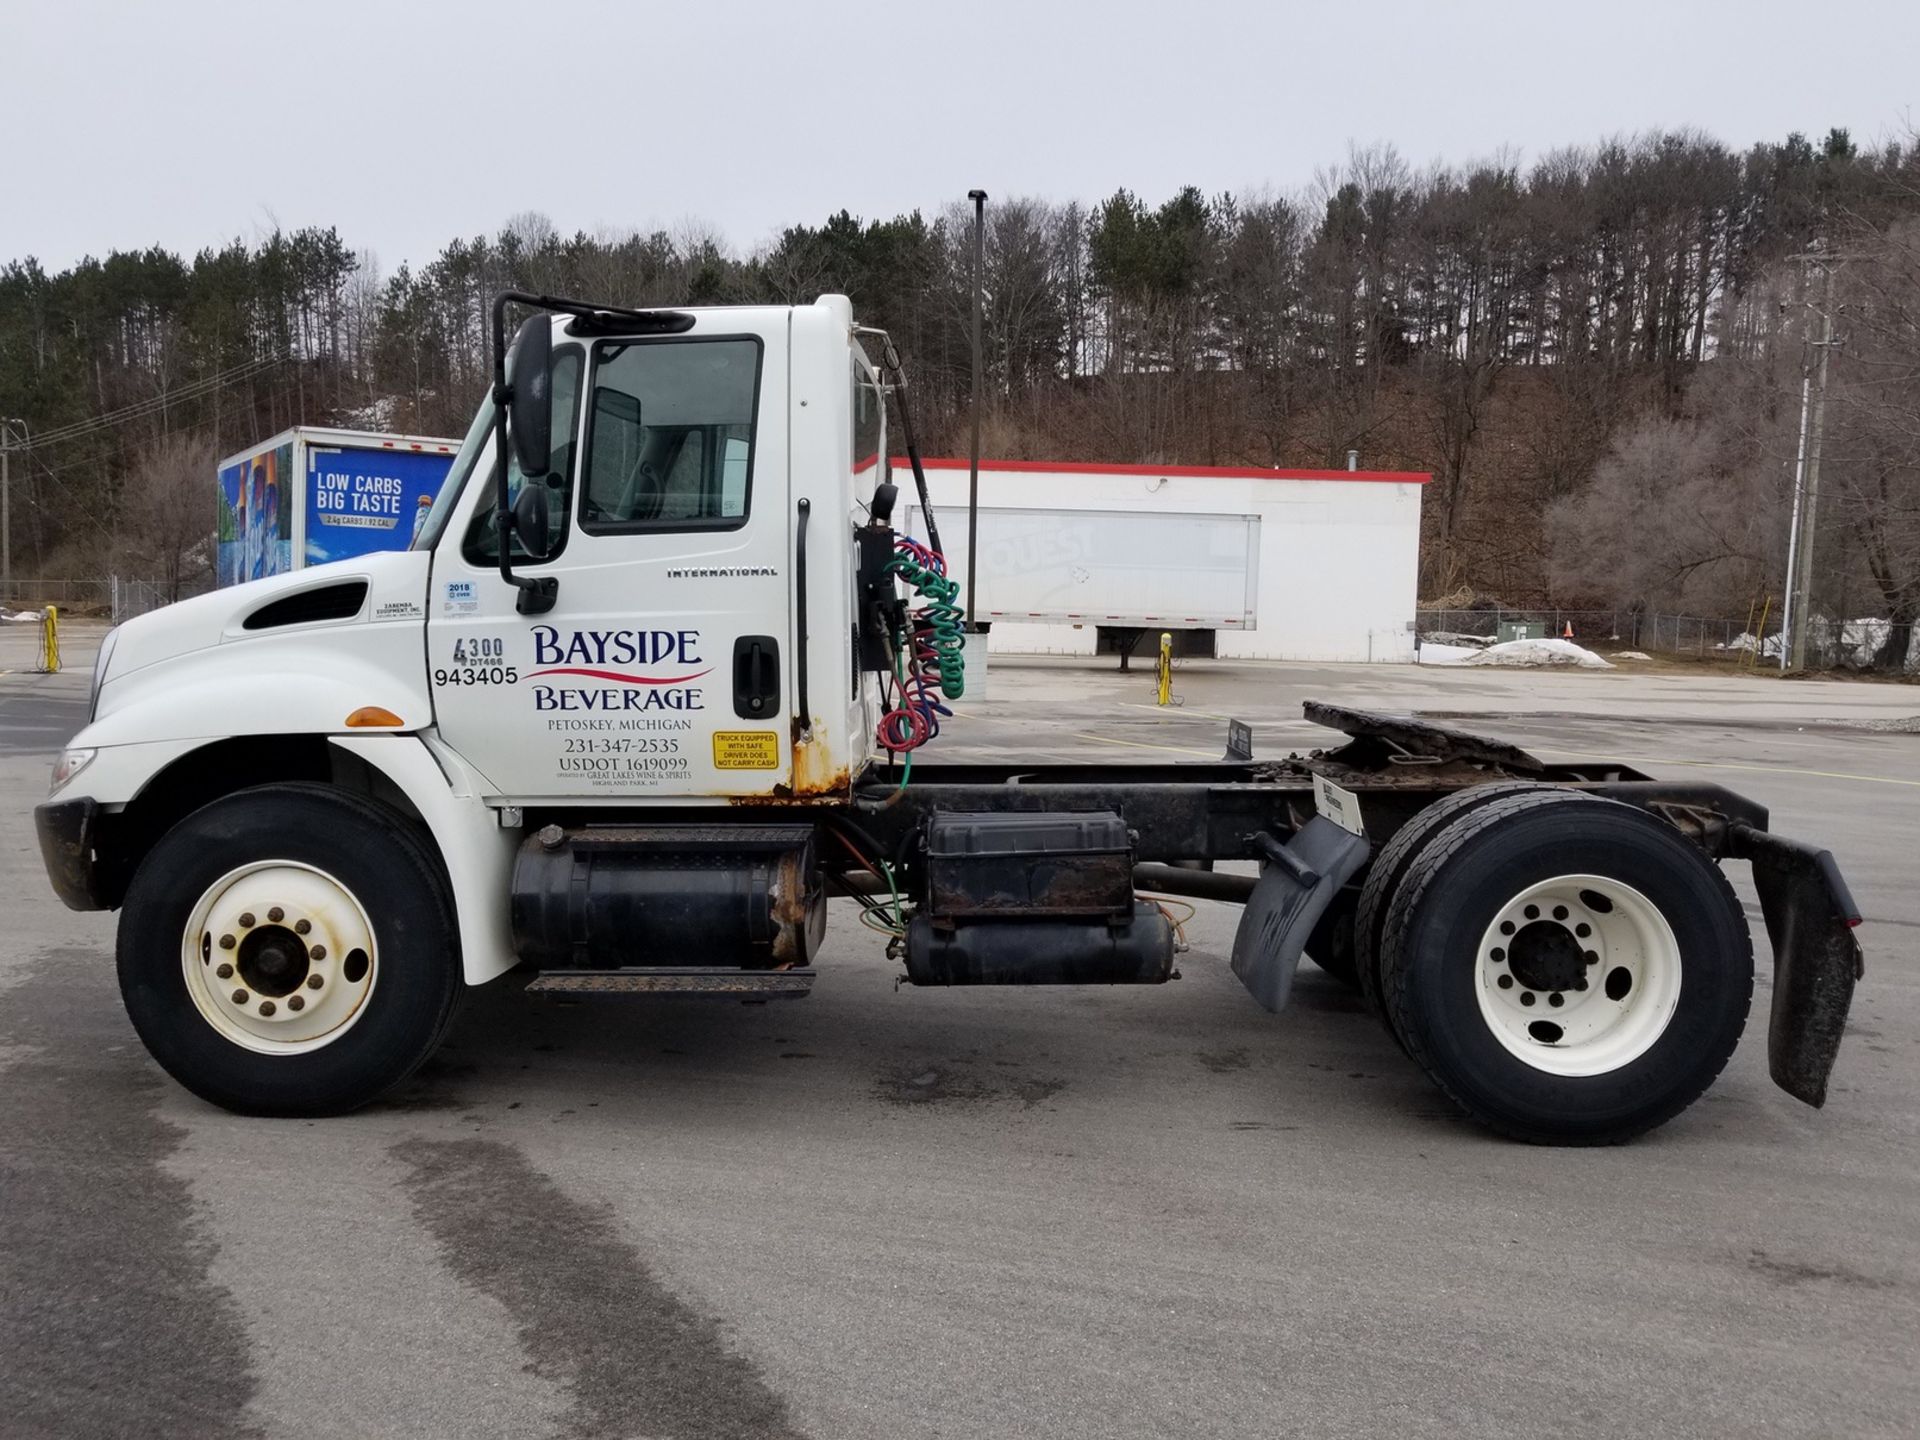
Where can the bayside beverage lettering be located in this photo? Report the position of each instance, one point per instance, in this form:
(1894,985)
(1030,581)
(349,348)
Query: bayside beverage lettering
(663,652)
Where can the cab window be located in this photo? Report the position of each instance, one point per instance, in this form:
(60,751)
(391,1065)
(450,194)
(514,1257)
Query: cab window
(483,542)
(670,435)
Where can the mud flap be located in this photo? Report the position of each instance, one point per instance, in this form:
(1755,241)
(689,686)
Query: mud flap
(1297,883)
(1810,918)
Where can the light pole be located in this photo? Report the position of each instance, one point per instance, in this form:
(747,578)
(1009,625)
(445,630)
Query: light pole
(979,198)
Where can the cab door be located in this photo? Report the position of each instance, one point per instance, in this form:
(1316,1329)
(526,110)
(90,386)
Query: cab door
(661,670)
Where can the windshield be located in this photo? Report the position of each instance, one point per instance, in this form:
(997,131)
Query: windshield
(479,434)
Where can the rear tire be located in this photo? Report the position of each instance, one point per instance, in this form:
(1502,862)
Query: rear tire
(290,950)
(1627,940)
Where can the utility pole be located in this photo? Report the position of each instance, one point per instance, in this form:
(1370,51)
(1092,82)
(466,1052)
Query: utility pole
(1787,611)
(12,433)
(1808,504)
(979,198)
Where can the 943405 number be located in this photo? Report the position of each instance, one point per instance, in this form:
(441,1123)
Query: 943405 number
(477,675)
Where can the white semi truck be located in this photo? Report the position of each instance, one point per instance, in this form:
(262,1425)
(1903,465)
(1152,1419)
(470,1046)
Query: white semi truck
(636,746)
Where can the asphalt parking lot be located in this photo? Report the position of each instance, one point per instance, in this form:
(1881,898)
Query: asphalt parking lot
(886,1212)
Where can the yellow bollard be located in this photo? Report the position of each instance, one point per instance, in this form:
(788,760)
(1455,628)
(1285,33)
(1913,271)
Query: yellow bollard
(50,641)
(1165,669)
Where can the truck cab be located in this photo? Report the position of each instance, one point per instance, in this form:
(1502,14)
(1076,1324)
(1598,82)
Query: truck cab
(702,489)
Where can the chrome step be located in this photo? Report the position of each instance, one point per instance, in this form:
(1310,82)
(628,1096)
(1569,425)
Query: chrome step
(691,980)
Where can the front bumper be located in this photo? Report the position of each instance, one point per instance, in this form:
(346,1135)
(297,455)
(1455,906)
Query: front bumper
(68,831)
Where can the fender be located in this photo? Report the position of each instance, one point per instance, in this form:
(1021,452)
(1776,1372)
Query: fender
(477,851)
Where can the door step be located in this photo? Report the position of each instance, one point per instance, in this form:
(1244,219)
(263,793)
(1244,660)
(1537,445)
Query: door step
(692,980)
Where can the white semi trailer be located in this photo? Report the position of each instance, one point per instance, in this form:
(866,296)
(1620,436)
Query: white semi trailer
(1123,571)
(648,688)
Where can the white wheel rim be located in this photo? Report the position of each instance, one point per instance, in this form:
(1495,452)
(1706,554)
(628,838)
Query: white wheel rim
(1578,975)
(279,957)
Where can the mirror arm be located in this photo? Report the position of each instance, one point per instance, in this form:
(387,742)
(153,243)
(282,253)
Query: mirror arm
(537,595)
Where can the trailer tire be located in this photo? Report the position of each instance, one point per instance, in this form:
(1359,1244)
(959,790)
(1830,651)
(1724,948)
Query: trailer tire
(1569,973)
(1397,856)
(290,950)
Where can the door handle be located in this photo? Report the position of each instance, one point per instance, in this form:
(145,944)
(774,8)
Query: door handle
(756,676)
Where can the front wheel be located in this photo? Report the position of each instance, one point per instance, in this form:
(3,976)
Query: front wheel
(1569,973)
(289,950)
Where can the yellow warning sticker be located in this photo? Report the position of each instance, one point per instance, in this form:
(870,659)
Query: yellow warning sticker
(746,750)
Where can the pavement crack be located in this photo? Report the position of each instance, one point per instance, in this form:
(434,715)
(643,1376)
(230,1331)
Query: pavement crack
(634,1358)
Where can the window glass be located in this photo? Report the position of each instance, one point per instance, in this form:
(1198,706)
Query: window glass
(867,425)
(483,543)
(670,444)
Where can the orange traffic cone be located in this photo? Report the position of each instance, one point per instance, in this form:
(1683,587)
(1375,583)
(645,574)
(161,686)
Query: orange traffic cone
(1569,634)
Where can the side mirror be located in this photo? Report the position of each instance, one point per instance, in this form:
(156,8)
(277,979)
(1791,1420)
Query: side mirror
(530,518)
(530,403)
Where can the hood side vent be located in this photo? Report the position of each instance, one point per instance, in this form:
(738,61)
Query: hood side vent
(326,602)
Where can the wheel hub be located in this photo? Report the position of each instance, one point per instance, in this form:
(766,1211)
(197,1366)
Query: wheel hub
(279,957)
(1544,955)
(273,961)
(1578,975)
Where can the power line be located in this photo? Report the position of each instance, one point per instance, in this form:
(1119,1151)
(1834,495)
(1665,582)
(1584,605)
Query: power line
(142,408)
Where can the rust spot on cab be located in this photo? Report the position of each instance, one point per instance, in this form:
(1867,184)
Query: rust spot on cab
(816,781)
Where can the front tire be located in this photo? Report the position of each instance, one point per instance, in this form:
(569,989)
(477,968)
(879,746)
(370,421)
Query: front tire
(289,950)
(1570,973)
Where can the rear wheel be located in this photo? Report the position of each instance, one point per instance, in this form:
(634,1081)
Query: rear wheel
(1570,973)
(289,951)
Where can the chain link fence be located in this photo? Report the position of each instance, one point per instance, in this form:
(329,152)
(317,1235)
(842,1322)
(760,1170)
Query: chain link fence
(113,597)
(1624,629)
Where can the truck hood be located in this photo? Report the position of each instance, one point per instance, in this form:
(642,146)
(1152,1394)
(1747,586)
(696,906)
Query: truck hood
(395,590)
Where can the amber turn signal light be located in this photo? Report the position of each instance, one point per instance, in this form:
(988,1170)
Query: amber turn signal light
(373,717)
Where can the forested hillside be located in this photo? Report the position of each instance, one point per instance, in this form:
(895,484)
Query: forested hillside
(1598,354)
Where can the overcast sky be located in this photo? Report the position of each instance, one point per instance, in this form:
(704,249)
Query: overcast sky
(404,123)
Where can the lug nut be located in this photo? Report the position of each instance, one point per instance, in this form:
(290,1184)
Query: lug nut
(246,919)
(239,997)
(266,1007)
(314,982)
(319,952)
(1505,982)
(301,927)
(1526,997)
(296,1002)
(1556,999)
(227,942)
(225,971)
(276,914)
(1593,957)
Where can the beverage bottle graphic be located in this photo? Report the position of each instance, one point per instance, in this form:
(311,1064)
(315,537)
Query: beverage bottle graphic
(420,510)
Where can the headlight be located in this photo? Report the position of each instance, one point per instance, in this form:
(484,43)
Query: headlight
(70,764)
(100,675)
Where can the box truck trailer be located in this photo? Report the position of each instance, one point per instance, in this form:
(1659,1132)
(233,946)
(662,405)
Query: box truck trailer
(649,689)
(311,495)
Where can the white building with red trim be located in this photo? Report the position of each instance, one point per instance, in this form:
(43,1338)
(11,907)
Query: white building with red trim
(1272,564)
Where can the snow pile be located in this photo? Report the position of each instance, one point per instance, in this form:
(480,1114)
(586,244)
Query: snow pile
(1631,655)
(1456,639)
(1745,643)
(1432,654)
(21,617)
(1535,654)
